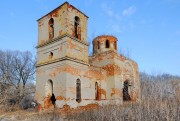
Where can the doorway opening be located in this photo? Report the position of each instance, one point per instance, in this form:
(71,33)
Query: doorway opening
(126,96)
(49,91)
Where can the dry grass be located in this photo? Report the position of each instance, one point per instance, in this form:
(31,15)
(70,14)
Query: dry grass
(160,101)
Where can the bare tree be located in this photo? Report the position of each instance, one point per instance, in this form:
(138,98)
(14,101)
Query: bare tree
(6,67)
(24,66)
(16,68)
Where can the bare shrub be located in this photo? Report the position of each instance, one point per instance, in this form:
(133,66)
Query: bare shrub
(12,100)
(26,102)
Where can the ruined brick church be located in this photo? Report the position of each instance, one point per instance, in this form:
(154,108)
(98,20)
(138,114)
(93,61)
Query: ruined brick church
(66,75)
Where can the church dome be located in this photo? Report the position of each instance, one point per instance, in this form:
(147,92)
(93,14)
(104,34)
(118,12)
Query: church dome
(104,43)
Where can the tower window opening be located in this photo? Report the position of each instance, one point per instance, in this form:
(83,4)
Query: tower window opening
(98,44)
(107,43)
(115,45)
(51,28)
(77,28)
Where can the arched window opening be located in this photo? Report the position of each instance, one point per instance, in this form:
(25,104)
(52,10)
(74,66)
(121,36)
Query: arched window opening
(51,55)
(51,28)
(49,91)
(78,90)
(126,96)
(107,43)
(98,44)
(115,45)
(96,91)
(77,28)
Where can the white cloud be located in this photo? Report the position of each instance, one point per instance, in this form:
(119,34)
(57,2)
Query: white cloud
(110,13)
(12,14)
(42,5)
(116,28)
(178,32)
(118,17)
(171,1)
(107,10)
(143,22)
(40,0)
(129,11)
(89,2)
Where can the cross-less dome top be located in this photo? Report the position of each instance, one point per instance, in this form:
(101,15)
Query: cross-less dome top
(104,43)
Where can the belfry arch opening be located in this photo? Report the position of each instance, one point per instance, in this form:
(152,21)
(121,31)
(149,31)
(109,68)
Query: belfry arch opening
(77,28)
(51,28)
(78,90)
(126,95)
(49,91)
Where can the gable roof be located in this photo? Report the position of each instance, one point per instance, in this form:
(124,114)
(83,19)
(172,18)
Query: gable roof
(60,7)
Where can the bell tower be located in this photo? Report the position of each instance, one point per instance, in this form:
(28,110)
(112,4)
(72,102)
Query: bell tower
(62,42)
(62,34)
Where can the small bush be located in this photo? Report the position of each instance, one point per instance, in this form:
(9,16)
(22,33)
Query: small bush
(27,101)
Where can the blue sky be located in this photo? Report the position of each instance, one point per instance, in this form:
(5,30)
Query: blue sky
(148,31)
